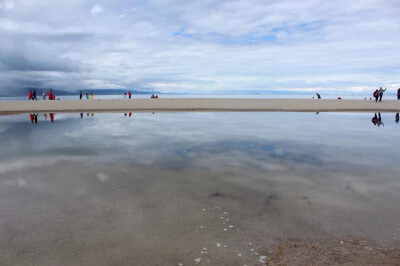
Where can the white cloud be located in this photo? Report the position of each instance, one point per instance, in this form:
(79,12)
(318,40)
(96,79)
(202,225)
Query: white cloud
(200,46)
(7,4)
(96,9)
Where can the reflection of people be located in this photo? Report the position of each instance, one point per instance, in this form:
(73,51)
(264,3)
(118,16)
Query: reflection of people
(130,114)
(381,91)
(35,116)
(81,115)
(377,120)
(31,117)
(52,117)
(124,114)
(45,116)
(397,118)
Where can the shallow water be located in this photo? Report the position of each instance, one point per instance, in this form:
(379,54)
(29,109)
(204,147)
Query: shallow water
(170,188)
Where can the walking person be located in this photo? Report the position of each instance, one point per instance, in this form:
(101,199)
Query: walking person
(129,94)
(50,94)
(80,95)
(44,95)
(30,95)
(376,95)
(34,95)
(381,91)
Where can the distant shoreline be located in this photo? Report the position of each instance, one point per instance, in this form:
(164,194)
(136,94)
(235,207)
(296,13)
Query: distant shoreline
(199,105)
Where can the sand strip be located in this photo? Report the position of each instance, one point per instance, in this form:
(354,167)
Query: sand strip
(184,105)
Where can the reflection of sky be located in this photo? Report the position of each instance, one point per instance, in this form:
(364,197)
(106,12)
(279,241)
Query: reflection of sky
(205,139)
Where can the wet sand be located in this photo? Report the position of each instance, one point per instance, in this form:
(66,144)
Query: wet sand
(72,213)
(283,105)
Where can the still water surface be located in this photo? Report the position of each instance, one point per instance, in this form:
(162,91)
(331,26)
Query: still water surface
(170,188)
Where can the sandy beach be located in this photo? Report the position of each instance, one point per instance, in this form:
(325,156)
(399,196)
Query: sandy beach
(159,105)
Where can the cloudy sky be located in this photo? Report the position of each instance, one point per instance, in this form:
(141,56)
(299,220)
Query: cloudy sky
(200,46)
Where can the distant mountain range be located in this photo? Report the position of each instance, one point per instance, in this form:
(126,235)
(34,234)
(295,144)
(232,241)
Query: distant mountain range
(25,91)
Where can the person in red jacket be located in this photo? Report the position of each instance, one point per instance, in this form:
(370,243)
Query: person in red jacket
(50,94)
(129,94)
(30,95)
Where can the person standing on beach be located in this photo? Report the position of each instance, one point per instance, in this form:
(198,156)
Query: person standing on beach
(87,96)
(129,94)
(398,94)
(318,95)
(80,95)
(30,95)
(50,94)
(44,95)
(124,95)
(34,95)
(376,95)
(381,91)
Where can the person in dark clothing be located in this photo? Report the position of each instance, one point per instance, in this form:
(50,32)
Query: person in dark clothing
(319,96)
(398,94)
(34,95)
(376,95)
(80,95)
(397,118)
(129,94)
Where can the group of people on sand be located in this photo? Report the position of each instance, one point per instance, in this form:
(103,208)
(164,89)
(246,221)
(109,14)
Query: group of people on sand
(88,96)
(378,94)
(32,95)
(129,95)
(154,96)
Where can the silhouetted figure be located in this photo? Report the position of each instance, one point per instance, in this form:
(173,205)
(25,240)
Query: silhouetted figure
(397,118)
(35,116)
(87,96)
(129,94)
(319,96)
(381,91)
(398,94)
(124,114)
(52,118)
(81,115)
(376,95)
(80,95)
(34,95)
(30,95)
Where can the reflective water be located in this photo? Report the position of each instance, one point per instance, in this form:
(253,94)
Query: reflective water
(170,188)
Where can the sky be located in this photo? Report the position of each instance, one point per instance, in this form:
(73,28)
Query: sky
(208,46)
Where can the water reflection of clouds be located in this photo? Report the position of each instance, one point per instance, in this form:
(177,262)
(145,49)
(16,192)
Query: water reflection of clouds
(187,138)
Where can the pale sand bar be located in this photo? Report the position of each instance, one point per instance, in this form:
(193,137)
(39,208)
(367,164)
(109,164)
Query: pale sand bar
(116,105)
